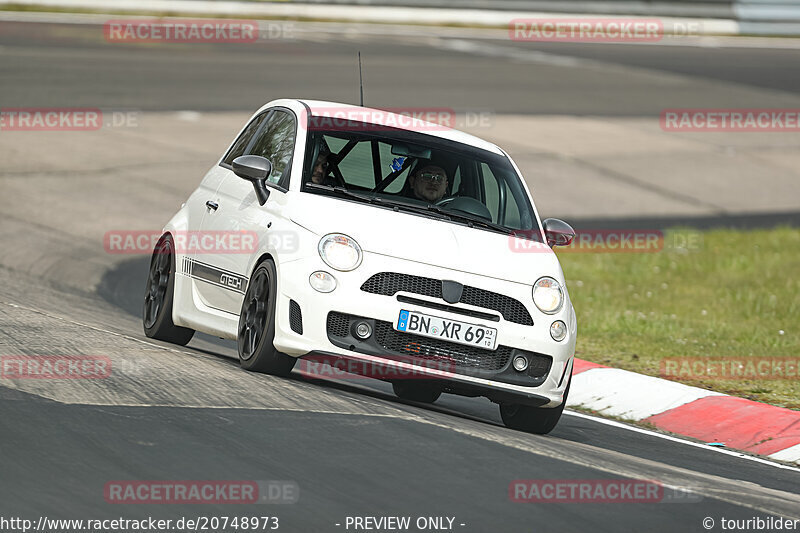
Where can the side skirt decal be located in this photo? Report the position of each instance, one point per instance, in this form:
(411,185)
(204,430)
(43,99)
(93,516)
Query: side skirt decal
(213,275)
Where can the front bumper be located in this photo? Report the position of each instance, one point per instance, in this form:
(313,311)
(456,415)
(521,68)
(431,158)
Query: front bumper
(497,380)
(388,343)
(451,382)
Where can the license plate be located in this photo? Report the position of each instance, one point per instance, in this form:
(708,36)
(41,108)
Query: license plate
(446,329)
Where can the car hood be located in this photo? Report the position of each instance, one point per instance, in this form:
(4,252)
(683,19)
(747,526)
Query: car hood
(426,240)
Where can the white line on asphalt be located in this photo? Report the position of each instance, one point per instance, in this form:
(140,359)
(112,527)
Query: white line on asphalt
(188,116)
(528,55)
(531,56)
(367,388)
(672,438)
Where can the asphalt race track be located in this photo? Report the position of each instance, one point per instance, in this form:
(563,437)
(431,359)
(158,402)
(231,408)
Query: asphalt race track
(443,68)
(352,448)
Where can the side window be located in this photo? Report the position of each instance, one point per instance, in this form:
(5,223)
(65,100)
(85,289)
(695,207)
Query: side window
(275,141)
(397,185)
(334,143)
(387,159)
(240,145)
(356,167)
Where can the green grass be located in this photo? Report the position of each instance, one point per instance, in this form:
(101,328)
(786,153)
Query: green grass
(728,297)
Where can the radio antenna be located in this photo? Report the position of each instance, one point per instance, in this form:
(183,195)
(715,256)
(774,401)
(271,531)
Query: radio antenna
(360,79)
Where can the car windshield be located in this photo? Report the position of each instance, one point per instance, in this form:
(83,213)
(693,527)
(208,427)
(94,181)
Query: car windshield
(419,173)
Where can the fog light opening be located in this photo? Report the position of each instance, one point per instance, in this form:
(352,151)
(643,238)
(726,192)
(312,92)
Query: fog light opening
(558,330)
(520,363)
(363,330)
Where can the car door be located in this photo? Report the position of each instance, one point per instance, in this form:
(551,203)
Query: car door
(204,278)
(238,222)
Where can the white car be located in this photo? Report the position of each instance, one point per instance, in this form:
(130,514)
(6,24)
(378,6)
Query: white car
(378,239)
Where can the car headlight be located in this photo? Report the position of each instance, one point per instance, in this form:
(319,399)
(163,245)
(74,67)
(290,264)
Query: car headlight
(340,251)
(547,295)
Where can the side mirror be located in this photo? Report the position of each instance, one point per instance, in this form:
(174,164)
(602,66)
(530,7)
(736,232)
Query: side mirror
(557,232)
(256,169)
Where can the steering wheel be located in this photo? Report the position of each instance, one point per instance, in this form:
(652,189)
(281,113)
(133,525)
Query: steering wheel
(444,201)
(465,204)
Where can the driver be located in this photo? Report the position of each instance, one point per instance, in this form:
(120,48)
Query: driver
(428,182)
(319,174)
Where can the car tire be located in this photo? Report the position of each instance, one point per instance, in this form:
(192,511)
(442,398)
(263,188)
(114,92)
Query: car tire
(256,332)
(158,296)
(416,391)
(538,420)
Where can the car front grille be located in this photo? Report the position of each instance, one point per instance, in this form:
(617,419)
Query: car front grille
(390,283)
(338,324)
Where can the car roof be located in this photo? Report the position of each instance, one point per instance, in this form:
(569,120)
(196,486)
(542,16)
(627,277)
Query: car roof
(385,117)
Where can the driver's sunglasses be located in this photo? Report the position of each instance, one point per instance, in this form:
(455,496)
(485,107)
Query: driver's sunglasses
(434,177)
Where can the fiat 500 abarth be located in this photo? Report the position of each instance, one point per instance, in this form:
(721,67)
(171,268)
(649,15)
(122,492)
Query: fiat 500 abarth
(377,239)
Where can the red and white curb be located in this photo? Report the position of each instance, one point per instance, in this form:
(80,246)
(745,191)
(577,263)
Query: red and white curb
(690,411)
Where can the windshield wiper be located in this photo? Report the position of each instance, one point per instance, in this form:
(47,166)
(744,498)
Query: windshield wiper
(368,198)
(450,215)
(429,208)
(342,192)
(470,220)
